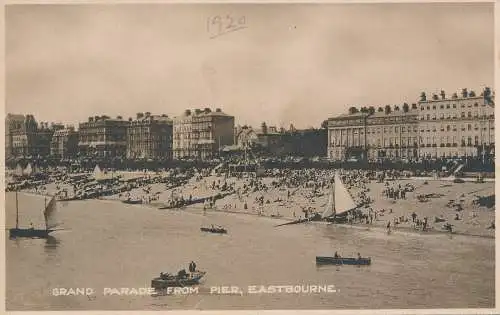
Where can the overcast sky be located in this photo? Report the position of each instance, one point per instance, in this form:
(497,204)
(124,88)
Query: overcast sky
(295,64)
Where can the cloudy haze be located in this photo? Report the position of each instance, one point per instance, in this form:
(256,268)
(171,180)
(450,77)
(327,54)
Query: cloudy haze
(292,63)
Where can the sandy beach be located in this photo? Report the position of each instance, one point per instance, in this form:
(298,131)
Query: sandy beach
(269,199)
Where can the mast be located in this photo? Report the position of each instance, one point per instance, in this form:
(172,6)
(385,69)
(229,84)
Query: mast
(17,212)
(333,197)
(45,213)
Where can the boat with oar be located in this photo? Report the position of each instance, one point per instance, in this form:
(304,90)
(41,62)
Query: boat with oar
(214,229)
(326,260)
(48,213)
(182,279)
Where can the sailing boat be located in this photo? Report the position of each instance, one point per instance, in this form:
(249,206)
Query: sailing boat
(340,202)
(48,214)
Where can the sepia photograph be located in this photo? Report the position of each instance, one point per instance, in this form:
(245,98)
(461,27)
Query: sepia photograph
(245,156)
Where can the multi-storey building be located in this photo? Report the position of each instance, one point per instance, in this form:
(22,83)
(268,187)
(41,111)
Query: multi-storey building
(202,134)
(245,137)
(149,137)
(23,136)
(64,143)
(44,134)
(347,136)
(104,137)
(457,126)
(440,127)
(183,142)
(13,125)
(392,134)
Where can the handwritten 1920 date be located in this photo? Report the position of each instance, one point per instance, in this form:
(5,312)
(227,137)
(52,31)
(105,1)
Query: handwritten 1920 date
(219,24)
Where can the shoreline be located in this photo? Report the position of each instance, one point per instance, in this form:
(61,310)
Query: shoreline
(364,227)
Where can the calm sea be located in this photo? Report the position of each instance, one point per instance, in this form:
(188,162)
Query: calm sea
(113,245)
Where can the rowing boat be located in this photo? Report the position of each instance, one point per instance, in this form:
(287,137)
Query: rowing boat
(214,230)
(167,281)
(325,260)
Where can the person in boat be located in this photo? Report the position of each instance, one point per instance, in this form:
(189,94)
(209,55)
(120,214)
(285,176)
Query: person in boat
(31,226)
(192,267)
(359,256)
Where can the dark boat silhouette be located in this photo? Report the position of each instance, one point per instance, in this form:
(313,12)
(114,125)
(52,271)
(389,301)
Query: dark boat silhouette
(217,230)
(132,201)
(168,280)
(325,260)
(31,232)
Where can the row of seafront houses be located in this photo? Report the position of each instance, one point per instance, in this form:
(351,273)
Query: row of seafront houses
(435,127)
(201,134)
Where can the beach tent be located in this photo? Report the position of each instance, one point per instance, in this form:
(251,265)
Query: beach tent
(19,170)
(28,170)
(98,174)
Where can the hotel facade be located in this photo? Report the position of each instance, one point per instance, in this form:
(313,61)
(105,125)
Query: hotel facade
(439,127)
(201,134)
(149,137)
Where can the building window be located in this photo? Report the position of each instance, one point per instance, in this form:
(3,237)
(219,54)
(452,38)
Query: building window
(463,115)
(476,105)
(433,106)
(442,106)
(448,128)
(422,108)
(428,107)
(447,106)
(469,127)
(454,105)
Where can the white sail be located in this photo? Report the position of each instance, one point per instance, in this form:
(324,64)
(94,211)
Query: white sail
(329,206)
(19,170)
(342,198)
(28,170)
(50,213)
(97,173)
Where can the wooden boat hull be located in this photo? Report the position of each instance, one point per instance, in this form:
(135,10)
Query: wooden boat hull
(159,284)
(325,260)
(132,202)
(217,231)
(29,233)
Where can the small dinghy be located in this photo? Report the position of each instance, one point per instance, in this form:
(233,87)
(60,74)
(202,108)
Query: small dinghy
(212,229)
(132,201)
(325,260)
